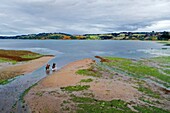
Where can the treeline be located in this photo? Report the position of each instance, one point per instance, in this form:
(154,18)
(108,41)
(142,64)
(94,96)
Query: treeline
(109,36)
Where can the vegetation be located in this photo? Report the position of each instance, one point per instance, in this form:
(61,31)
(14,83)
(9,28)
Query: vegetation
(75,88)
(91,105)
(167,71)
(114,36)
(3,82)
(14,56)
(163,60)
(86,80)
(146,100)
(148,91)
(138,68)
(17,55)
(88,72)
(150,109)
(3,60)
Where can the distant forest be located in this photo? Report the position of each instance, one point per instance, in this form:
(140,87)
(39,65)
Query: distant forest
(109,36)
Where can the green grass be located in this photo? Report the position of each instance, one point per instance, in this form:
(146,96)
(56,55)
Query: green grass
(76,88)
(4,60)
(146,100)
(17,55)
(138,69)
(32,56)
(167,71)
(88,72)
(150,109)
(90,105)
(165,59)
(86,80)
(3,82)
(14,56)
(148,92)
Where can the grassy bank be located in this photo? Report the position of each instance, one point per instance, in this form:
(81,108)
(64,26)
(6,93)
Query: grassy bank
(13,57)
(17,55)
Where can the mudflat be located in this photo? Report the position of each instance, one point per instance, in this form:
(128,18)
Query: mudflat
(87,86)
(48,95)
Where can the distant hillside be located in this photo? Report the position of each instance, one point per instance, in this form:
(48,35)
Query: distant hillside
(109,36)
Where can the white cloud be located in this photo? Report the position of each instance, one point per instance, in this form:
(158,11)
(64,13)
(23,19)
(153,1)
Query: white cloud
(85,16)
(157,26)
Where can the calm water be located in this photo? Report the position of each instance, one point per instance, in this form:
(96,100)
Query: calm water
(68,51)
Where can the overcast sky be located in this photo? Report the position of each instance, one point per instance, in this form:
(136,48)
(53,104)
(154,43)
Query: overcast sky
(83,16)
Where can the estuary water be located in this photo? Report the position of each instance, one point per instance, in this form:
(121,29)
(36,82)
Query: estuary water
(66,52)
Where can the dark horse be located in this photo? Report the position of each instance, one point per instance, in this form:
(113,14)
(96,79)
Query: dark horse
(47,67)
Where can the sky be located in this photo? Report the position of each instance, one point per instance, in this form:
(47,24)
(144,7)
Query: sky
(83,16)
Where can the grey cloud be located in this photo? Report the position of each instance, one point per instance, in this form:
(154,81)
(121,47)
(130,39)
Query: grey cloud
(85,16)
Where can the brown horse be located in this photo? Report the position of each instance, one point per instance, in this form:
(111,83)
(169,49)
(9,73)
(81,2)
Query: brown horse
(47,67)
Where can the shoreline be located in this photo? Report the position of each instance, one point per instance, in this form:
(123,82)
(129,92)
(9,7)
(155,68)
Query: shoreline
(9,71)
(56,92)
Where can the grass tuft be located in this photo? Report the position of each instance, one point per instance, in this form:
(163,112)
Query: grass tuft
(86,80)
(76,88)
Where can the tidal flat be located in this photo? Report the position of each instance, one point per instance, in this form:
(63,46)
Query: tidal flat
(111,85)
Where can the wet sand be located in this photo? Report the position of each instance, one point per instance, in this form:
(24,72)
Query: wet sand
(8,70)
(48,97)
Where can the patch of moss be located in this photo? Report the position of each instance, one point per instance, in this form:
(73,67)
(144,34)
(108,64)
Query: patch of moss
(76,88)
(86,80)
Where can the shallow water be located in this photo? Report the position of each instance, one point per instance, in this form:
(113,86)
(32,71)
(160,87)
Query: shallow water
(69,51)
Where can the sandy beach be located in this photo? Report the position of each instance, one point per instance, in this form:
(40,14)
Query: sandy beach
(47,96)
(8,70)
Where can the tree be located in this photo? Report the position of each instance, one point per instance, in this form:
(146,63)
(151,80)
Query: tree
(165,36)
